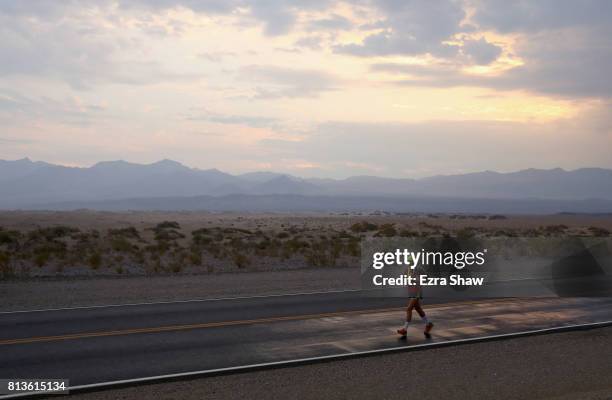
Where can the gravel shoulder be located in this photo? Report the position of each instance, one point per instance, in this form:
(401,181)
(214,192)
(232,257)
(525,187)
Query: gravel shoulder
(572,365)
(42,294)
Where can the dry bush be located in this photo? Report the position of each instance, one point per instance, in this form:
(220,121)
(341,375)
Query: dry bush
(363,226)
(130,233)
(597,231)
(386,230)
(95,260)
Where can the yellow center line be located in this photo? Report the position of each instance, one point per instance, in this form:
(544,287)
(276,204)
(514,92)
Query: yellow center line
(190,326)
(205,325)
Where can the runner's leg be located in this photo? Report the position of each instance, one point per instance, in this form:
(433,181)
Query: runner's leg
(403,330)
(428,324)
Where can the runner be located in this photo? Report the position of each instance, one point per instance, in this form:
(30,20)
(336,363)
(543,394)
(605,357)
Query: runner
(415,296)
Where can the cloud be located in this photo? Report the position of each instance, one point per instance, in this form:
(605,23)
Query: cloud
(277,16)
(216,56)
(563,70)
(15,106)
(76,49)
(436,147)
(536,16)
(288,82)
(12,141)
(481,51)
(565,44)
(247,120)
(309,42)
(333,22)
(411,28)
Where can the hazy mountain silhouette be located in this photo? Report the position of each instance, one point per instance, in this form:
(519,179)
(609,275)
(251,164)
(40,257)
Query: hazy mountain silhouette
(28,184)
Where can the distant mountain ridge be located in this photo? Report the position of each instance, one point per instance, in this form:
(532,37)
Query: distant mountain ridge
(28,184)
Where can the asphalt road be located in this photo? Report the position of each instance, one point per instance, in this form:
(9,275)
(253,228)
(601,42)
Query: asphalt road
(560,366)
(102,344)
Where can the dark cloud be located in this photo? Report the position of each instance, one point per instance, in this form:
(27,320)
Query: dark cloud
(412,28)
(535,16)
(565,44)
(562,64)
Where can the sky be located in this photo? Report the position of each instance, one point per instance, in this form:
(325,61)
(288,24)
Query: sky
(314,88)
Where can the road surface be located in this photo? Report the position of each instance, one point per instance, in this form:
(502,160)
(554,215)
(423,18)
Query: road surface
(103,344)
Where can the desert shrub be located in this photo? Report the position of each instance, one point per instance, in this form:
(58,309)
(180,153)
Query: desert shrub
(387,230)
(160,247)
(597,231)
(237,243)
(553,229)
(502,233)
(363,226)
(201,236)
(167,225)
(241,231)
(129,232)
(295,245)
(84,237)
(168,235)
(139,257)
(240,260)
(52,232)
(268,247)
(465,233)
(47,249)
(323,253)
(41,258)
(167,231)
(95,260)
(336,248)
(202,240)
(353,248)
(122,245)
(216,250)
(282,235)
(263,244)
(195,257)
(10,238)
(408,233)
(345,235)
(157,267)
(6,270)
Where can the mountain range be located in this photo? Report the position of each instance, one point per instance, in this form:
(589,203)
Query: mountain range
(27,184)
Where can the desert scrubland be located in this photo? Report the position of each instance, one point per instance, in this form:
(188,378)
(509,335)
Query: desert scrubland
(89,243)
(81,258)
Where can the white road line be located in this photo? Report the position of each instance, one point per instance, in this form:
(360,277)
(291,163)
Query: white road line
(183,301)
(301,361)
